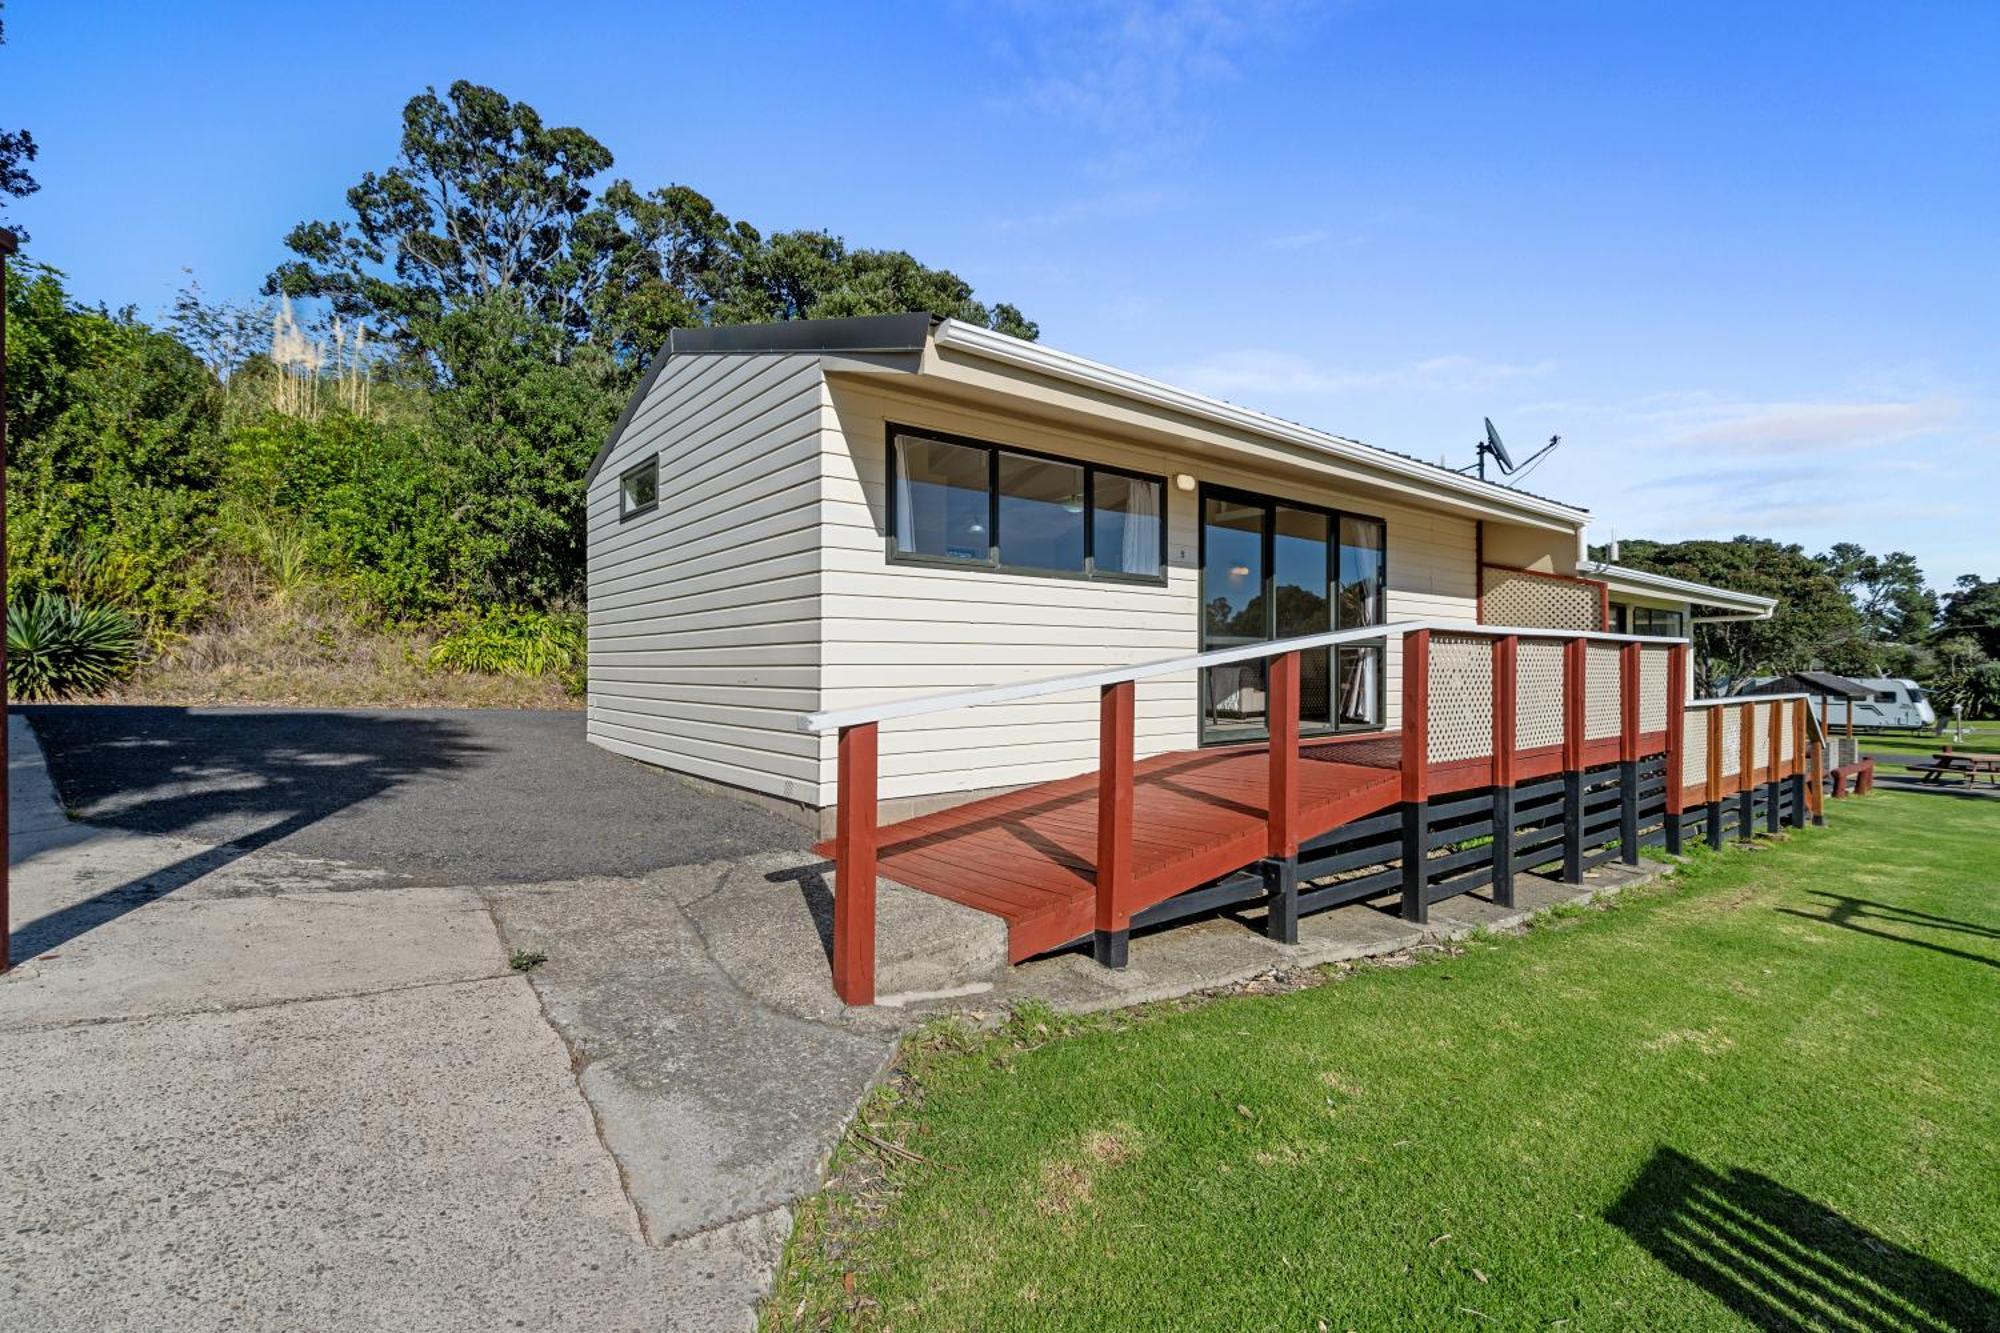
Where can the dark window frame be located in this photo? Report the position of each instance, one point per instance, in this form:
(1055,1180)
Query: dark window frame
(652,465)
(1270,504)
(992,564)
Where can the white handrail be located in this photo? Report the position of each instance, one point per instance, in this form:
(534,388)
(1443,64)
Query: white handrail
(1085,680)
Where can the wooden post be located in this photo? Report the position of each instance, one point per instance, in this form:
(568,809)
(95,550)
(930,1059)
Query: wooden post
(1575,674)
(854,866)
(1281,816)
(1774,746)
(1746,773)
(1628,754)
(1676,756)
(1506,718)
(7,247)
(1114,824)
(1715,792)
(1416,774)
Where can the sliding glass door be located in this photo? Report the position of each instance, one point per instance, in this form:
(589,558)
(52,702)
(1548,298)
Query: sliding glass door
(1274,569)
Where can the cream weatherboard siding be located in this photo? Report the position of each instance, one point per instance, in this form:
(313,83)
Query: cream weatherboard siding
(892,630)
(704,628)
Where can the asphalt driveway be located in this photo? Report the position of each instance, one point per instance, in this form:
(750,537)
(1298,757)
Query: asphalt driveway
(434,797)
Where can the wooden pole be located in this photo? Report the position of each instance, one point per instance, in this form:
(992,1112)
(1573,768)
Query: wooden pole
(1676,756)
(1282,708)
(854,866)
(1416,774)
(1575,679)
(1506,718)
(1628,754)
(1114,823)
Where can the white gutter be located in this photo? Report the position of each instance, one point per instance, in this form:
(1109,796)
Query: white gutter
(1013,351)
(1750,605)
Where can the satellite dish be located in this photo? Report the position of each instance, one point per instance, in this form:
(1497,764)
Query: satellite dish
(1491,446)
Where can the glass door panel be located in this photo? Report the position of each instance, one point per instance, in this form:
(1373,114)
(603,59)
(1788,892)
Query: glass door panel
(1303,603)
(1234,613)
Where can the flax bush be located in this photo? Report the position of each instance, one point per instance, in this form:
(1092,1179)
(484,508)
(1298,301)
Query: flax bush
(515,643)
(57,648)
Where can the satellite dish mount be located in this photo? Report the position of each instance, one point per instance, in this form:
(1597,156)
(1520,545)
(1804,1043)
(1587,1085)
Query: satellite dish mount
(1492,446)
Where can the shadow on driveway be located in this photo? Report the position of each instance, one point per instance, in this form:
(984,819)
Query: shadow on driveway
(434,796)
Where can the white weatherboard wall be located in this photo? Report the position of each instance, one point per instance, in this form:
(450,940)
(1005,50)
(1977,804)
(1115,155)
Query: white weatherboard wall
(704,630)
(893,631)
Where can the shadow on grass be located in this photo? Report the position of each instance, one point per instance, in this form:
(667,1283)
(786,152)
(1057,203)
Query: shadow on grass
(245,780)
(1852,914)
(1781,1261)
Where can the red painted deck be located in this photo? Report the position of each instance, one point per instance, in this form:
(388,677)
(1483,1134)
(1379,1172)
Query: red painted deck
(1027,856)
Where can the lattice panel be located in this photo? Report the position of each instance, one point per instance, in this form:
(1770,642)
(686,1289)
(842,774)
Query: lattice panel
(1732,739)
(1694,747)
(1601,699)
(1653,688)
(1538,694)
(1531,601)
(1760,742)
(1788,721)
(1461,721)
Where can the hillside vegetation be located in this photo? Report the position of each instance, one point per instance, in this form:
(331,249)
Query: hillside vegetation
(366,484)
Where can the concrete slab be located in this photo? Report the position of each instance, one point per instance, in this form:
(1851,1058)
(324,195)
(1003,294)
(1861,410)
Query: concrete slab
(306,1165)
(717,1104)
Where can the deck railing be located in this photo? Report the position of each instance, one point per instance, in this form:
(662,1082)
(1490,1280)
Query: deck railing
(1482,706)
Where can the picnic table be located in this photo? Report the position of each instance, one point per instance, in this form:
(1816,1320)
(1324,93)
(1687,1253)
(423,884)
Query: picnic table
(1971,767)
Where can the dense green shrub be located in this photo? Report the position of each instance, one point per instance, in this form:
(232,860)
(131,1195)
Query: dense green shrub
(56,647)
(514,643)
(113,482)
(370,504)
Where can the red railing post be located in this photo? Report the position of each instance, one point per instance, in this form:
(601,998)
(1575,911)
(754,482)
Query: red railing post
(1628,754)
(1282,709)
(1416,774)
(1114,823)
(854,867)
(1506,716)
(1576,676)
(1746,773)
(1677,689)
(1714,787)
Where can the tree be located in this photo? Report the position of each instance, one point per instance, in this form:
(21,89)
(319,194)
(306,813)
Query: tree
(1815,624)
(1972,608)
(17,150)
(1889,591)
(483,198)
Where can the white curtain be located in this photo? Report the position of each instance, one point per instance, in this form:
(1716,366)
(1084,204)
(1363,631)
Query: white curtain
(1142,529)
(1358,702)
(906,500)
(1367,537)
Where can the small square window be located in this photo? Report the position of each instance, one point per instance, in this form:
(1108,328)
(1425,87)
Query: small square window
(639,489)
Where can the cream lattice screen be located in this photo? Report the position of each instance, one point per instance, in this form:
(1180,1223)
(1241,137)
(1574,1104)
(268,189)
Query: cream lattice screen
(1732,741)
(1653,688)
(1603,691)
(1694,747)
(1538,694)
(1461,698)
(1538,601)
(1760,741)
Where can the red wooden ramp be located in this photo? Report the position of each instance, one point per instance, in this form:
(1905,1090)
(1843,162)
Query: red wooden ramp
(1027,856)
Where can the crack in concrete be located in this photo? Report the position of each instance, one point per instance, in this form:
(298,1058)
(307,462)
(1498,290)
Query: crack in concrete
(578,1062)
(21,976)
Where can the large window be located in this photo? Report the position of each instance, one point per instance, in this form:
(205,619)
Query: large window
(954,501)
(1647,620)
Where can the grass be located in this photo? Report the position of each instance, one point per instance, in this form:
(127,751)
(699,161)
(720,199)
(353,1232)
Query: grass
(1764,1091)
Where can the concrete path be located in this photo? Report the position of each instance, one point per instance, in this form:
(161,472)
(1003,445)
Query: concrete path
(253,1089)
(268,1064)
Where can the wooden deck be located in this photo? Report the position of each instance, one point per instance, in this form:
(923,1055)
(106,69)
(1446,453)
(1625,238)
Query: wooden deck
(1027,856)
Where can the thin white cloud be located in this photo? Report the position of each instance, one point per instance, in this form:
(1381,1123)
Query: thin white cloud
(1129,69)
(1802,427)
(1258,371)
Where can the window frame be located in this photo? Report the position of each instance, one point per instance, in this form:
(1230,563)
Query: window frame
(1271,504)
(992,564)
(651,464)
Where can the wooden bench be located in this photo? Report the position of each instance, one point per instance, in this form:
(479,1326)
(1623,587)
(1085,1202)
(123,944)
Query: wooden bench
(1860,773)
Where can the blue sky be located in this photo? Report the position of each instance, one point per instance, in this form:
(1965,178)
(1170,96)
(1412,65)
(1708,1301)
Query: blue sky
(1742,257)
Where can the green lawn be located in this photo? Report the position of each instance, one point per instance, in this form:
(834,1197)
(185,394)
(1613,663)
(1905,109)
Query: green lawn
(1766,1091)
